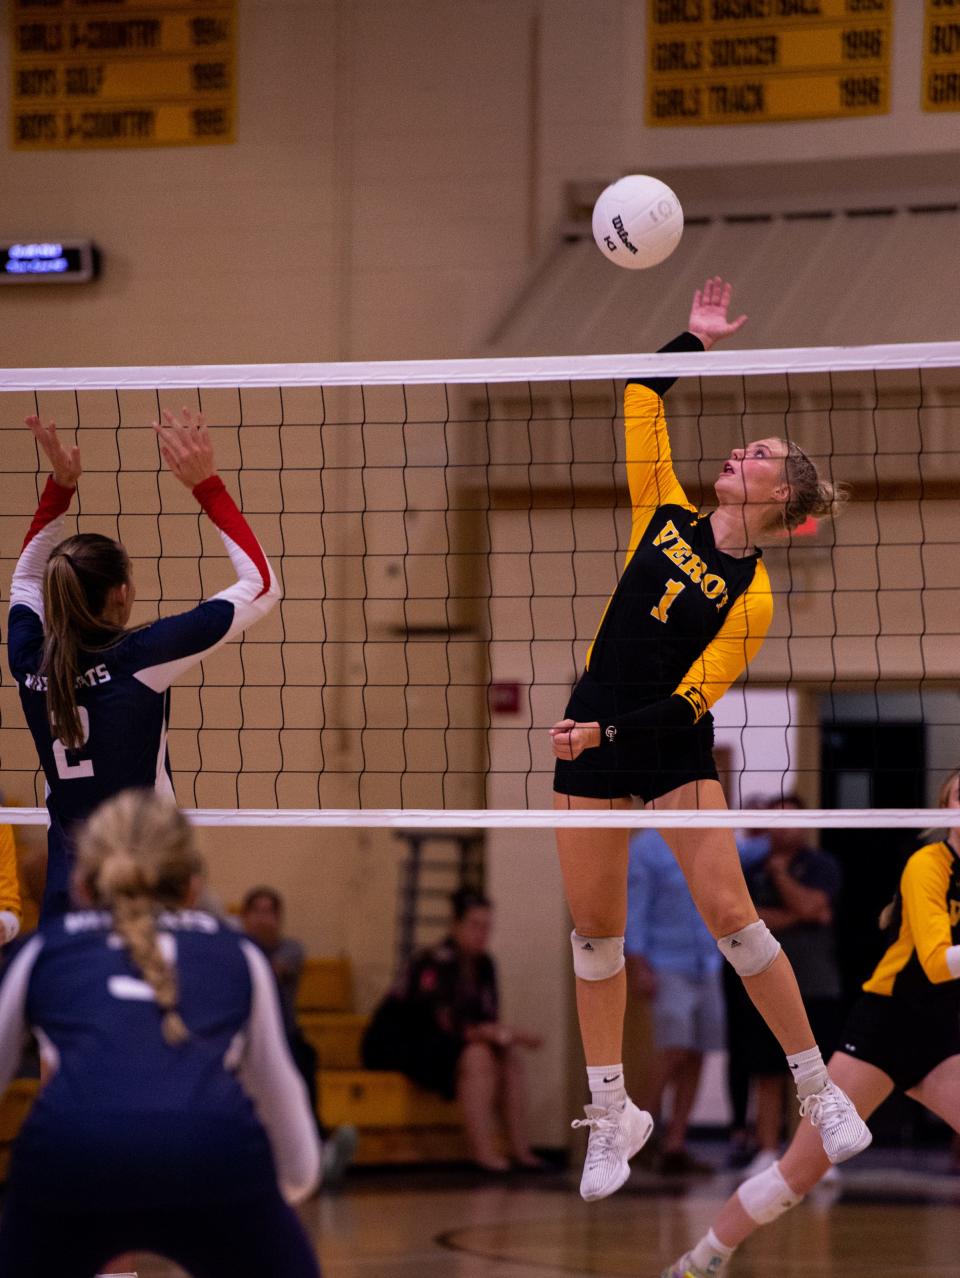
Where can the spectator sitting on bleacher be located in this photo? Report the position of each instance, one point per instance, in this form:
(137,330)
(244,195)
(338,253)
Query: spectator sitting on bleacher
(795,889)
(440,1026)
(262,918)
(262,914)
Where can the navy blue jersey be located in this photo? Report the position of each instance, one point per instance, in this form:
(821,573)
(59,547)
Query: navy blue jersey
(124,719)
(219,1116)
(123,691)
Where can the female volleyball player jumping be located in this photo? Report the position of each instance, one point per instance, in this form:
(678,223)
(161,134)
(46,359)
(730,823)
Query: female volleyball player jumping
(904,1033)
(96,695)
(174,1107)
(689,612)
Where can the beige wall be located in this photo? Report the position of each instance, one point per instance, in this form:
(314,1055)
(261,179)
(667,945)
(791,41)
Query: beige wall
(361,211)
(340,890)
(400,165)
(397,168)
(175,223)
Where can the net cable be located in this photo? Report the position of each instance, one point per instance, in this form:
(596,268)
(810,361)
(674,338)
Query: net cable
(447,534)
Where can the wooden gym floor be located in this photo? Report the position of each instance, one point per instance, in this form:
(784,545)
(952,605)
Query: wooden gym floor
(894,1221)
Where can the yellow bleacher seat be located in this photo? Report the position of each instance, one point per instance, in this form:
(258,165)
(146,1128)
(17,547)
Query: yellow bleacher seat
(381,1098)
(14,1108)
(396,1121)
(335,1036)
(325,986)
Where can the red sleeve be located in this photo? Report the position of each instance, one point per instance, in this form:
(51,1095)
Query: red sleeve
(222,510)
(54,501)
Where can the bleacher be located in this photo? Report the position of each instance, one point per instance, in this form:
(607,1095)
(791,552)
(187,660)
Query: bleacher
(396,1120)
(14,1107)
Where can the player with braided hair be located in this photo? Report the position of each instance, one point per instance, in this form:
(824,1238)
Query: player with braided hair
(172,1107)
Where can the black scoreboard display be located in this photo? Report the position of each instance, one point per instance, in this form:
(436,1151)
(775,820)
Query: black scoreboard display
(48,262)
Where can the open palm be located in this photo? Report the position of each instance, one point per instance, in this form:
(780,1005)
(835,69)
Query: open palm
(186,447)
(709,314)
(65,463)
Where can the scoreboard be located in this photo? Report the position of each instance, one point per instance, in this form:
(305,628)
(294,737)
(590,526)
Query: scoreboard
(121,73)
(941,56)
(757,61)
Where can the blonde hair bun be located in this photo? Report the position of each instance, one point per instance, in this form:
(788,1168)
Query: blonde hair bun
(809,493)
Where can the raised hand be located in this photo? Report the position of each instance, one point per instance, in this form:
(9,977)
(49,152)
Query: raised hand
(709,318)
(64,464)
(186,446)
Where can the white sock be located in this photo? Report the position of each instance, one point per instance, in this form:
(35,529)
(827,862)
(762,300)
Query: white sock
(808,1070)
(710,1254)
(606,1085)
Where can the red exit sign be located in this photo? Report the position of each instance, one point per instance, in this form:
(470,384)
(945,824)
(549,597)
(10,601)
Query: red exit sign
(504,698)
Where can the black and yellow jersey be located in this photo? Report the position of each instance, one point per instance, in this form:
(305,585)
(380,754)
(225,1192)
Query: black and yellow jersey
(918,964)
(685,618)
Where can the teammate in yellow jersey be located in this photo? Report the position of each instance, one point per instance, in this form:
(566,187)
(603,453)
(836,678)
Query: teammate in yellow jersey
(903,1033)
(689,612)
(11,905)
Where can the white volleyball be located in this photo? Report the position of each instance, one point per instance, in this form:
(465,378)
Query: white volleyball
(637,222)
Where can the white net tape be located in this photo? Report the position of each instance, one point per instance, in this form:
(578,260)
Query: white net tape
(544,818)
(553,368)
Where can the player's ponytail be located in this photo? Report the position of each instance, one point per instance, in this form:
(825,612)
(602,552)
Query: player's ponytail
(137,857)
(809,493)
(943,801)
(943,798)
(80,573)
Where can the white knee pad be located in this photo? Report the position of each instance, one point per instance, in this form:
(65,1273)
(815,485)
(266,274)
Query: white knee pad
(751,950)
(766,1196)
(596,958)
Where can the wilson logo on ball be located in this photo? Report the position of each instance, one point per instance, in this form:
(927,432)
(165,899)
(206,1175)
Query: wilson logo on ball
(621,231)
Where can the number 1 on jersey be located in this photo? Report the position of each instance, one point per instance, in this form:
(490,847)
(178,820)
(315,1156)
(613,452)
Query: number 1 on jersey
(666,603)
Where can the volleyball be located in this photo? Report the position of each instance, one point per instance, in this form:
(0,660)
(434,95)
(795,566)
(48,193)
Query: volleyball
(637,222)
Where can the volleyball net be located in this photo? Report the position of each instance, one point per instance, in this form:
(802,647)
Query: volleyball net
(447,535)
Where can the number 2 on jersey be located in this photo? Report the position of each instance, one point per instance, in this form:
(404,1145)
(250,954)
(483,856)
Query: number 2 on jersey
(67,771)
(663,607)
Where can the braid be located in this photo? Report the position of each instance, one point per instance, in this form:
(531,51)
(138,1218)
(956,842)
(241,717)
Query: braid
(137,856)
(134,920)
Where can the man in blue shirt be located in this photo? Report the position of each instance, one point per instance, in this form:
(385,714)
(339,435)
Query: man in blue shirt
(795,888)
(672,960)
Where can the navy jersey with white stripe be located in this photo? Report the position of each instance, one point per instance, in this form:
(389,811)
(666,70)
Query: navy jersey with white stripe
(123,691)
(219,1116)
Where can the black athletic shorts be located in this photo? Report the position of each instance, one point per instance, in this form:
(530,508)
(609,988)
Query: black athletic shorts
(665,759)
(902,1039)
